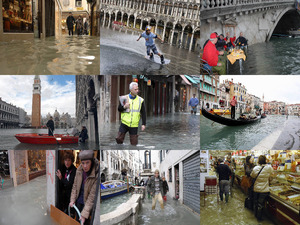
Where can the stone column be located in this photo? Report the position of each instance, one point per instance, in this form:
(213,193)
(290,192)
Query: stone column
(172,35)
(128,21)
(191,43)
(173,93)
(91,126)
(43,20)
(134,23)
(155,28)
(122,17)
(181,39)
(109,21)
(163,36)
(104,20)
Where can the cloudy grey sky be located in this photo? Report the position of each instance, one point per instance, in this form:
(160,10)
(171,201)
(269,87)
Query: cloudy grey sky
(58,92)
(284,88)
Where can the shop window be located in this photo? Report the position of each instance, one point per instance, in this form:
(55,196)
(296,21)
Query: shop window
(36,163)
(170,175)
(17,16)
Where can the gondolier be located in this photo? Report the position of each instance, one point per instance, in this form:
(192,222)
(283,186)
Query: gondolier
(131,111)
(50,125)
(233,103)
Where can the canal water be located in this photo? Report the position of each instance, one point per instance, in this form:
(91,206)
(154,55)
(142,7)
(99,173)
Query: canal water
(171,131)
(233,212)
(9,142)
(69,55)
(216,136)
(278,56)
(109,205)
(25,204)
(121,54)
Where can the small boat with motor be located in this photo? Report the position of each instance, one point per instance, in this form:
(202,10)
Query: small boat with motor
(113,188)
(45,139)
(228,121)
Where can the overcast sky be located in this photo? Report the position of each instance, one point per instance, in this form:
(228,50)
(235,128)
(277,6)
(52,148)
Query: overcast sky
(58,92)
(284,88)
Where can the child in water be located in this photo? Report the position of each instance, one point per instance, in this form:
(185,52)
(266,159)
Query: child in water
(150,43)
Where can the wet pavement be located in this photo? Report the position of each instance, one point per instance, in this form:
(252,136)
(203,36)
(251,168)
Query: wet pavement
(220,137)
(9,142)
(121,54)
(69,55)
(174,213)
(289,138)
(109,205)
(171,131)
(229,213)
(25,204)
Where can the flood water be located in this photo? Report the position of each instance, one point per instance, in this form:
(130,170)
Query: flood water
(69,55)
(25,204)
(171,131)
(278,56)
(109,205)
(121,54)
(174,213)
(216,136)
(9,142)
(233,212)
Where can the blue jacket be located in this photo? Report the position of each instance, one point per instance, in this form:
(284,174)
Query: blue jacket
(193,102)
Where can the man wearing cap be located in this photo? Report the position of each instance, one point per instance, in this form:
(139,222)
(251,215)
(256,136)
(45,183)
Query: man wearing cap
(211,56)
(84,187)
(131,113)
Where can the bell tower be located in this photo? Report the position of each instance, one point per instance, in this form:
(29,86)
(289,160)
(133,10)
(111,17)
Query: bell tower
(36,102)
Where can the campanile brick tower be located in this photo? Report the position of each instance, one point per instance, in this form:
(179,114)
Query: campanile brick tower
(36,102)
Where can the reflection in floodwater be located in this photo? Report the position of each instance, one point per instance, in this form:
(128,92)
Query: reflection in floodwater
(25,204)
(171,131)
(217,136)
(9,142)
(62,55)
(109,205)
(121,54)
(233,212)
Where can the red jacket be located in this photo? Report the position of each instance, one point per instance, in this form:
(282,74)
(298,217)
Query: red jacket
(210,54)
(232,40)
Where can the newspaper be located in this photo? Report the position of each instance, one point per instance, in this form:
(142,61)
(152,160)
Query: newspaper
(123,100)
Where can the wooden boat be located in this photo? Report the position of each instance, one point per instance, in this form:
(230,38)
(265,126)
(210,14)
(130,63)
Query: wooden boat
(113,188)
(44,139)
(221,112)
(227,121)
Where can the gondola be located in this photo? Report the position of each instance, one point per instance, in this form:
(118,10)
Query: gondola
(227,121)
(263,115)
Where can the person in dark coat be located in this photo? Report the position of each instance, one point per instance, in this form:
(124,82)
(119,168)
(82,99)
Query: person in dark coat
(220,43)
(156,189)
(165,187)
(50,125)
(83,134)
(70,22)
(148,186)
(224,173)
(241,40)
(66,176)
(79,25)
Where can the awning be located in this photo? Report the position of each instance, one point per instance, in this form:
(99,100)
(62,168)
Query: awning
(191,79)
(185,80)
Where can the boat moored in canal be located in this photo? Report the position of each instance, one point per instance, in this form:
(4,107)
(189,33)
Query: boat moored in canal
(228,121)
(45,139)
(113,188)
(263,115)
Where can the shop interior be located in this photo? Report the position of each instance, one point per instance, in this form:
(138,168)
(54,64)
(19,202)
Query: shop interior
(281,207)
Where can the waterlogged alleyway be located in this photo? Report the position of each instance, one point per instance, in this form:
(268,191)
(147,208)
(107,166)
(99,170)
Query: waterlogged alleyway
(54,55)
(25,204)
(171,131)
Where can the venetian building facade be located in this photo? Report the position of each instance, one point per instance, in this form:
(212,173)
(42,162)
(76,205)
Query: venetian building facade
(88,104)
(176,21)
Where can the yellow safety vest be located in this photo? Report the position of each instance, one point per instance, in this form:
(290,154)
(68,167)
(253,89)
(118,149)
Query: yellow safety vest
(132,118)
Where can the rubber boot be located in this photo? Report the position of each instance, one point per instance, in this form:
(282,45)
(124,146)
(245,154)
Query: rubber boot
(134,139)
(162,59)
(226,197)
(120,138)
(151,55)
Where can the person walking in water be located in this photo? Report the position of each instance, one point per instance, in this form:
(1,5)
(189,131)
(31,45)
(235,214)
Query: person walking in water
(70,23)
(131,112)
(149,36)
(193,103)
(233,103)
(224,172)
(156,189)
(50,125)
(79,25)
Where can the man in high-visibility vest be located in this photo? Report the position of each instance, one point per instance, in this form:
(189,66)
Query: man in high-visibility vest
(131,113)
